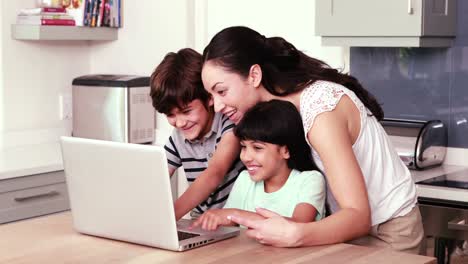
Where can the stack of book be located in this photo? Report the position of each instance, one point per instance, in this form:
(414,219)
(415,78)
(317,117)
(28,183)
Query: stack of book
(102,13)
(49,16)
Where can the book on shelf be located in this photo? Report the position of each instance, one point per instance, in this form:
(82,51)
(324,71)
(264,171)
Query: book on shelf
(76,9)
(52,20)
(42,10)
(91,13)
(102,13)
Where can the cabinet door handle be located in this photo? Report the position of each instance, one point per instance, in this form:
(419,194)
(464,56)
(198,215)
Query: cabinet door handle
(458,224)
(410,7)
(35,196)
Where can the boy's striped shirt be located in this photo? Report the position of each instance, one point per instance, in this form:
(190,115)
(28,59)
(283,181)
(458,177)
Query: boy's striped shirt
(193,156)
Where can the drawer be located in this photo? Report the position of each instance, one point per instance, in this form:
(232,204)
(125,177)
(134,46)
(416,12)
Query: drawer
(445,221)
(30,202)
(30,181)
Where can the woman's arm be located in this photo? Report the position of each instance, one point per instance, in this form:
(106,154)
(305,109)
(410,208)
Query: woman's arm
(332,136)
(226,153)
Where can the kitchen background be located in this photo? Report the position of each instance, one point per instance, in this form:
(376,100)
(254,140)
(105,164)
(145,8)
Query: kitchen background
(34,74)
(421,83)
(416,83)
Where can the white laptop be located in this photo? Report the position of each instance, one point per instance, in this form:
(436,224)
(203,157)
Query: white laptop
(122,191)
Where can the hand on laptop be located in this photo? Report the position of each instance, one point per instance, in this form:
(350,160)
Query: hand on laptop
(213,218)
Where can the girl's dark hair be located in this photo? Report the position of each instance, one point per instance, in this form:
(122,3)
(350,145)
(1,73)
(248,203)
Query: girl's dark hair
(285,69)
(278,122)
(176,81)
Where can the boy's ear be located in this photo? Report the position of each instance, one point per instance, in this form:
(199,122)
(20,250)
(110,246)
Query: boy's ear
(255,75)
(210,101)
(284,151)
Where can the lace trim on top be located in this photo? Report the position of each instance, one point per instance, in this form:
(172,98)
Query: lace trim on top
(323,96)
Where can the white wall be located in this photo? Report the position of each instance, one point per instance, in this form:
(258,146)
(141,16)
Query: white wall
(151,29)
(35,73)
(292,20)
(1,68)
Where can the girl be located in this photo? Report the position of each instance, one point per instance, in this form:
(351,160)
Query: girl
(280,175)
(369,189)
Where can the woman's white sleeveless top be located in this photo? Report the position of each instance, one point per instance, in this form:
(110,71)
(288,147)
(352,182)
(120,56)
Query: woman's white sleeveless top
(390,188)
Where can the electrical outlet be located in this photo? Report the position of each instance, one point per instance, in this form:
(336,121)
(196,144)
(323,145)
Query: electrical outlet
(65,107)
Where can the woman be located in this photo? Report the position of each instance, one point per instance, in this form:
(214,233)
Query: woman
(369,190)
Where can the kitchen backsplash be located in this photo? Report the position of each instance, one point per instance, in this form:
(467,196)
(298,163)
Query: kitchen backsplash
(421,83)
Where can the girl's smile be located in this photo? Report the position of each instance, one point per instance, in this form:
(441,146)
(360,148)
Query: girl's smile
(265,162)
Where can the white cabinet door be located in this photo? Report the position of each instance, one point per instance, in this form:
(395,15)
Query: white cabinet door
(369,17)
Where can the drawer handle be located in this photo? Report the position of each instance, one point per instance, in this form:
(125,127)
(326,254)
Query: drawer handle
(458,224)
(35,196)
(410,7)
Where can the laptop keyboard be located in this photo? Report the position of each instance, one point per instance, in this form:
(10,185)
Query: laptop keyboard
(185,235)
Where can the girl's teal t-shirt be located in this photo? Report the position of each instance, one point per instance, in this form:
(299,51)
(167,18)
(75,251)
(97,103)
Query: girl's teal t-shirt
(301,187)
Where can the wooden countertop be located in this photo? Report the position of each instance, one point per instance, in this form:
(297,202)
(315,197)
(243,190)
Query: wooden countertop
(51,239)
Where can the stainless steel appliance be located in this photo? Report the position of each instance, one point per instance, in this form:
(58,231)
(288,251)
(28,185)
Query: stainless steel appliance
(113,107)
(420,144)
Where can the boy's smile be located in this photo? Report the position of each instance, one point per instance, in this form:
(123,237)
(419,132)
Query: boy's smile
(194,120)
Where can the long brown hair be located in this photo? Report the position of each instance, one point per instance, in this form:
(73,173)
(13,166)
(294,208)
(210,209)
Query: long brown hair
(278,122)
(285,69)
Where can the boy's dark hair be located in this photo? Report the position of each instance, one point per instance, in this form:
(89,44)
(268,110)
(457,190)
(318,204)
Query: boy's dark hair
(176,81)
(278,122)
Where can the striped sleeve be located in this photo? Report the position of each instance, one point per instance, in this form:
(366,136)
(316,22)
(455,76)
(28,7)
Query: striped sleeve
(172,154)
(226,125)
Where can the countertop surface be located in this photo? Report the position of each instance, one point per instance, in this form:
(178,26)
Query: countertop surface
(47,157)
(438,192)
(51,239)
(30,159)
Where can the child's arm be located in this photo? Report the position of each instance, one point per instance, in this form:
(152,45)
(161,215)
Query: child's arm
(213,218)
(304,213)
(311,193)
(171,171)
(226,153)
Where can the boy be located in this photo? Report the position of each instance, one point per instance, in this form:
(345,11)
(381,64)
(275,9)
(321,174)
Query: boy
(202,142)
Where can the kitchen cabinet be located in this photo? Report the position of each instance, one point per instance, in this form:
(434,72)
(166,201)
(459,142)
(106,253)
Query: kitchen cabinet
(446,221)
(443,201)
(383,23)
(33,195)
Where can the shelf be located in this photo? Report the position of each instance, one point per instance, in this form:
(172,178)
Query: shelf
(37,32)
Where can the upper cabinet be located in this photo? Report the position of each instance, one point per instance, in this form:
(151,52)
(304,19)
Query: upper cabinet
(386,23)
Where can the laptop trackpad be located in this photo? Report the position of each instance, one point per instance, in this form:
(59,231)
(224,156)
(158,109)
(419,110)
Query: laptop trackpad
(184,226)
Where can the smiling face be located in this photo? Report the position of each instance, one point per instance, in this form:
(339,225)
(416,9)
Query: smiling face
(233,94)
(194,120)
(264,161)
